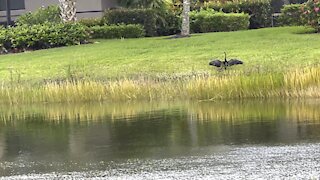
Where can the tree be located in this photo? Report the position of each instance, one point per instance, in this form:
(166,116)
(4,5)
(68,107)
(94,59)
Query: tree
(8,12)
(185,30)
(68,10)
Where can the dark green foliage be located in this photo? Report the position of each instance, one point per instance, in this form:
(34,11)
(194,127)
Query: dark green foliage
(259,10)
(2,38)
(155,22)
(291,15)
(145,17)
(43,36)
(49,14)
(90,22)
(158,4)
(117,31)
(168,23)
(277,5)
(210,21)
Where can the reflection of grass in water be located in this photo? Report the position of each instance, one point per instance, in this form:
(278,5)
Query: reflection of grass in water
(83,112)
(237,111)
(231,111)
(297,83)
(303,111)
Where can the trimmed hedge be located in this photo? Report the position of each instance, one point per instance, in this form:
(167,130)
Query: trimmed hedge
(42,36)
(259,10)
(291,15)
(42,15)
(90,22)
(210,21)
(117,31)
(155,22)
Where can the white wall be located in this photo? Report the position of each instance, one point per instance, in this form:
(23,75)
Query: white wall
(32,5)
(82,6)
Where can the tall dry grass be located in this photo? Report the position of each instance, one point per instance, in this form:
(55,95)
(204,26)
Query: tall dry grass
(299,83)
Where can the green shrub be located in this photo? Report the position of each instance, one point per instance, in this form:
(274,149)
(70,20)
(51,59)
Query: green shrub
(311,13)
(90,22)
(117,31)
(44,14)
(277,5)
(145,17)
(155,22)
(168,23)
(259,10)
(43,36)
(154,4)
(2,38)
(210,21)
(291,15)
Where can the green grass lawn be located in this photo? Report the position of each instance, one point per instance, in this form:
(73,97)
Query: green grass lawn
(269,49)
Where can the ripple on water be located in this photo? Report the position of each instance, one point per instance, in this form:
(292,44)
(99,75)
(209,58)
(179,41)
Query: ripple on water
(246,162)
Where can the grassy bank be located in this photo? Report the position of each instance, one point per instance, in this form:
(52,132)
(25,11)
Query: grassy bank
(279,62)
(301,83)
(270,49)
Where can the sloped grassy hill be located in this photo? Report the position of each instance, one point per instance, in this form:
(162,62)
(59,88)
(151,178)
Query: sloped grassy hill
(269,49)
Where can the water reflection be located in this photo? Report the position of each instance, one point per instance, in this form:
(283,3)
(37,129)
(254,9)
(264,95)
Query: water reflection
(64,137)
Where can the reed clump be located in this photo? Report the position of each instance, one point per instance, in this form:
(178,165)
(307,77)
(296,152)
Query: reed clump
(298,83)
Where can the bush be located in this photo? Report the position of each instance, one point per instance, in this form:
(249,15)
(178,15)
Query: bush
(117,31)
(154,4)
(2,39)
(291,15)
(145,17)
(155,22)
(43,36)
(210,21)
(49,14)
(90,22)
(168,23)
(277,5)
(259,10)
(311,13)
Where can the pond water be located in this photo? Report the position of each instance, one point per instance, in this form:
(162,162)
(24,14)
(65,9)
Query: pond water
(162,140)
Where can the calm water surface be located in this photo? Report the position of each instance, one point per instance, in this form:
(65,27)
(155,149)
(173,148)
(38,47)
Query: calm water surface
(162,140)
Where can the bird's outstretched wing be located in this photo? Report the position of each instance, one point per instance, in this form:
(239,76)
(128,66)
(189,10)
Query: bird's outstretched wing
(216,63)
(232,62)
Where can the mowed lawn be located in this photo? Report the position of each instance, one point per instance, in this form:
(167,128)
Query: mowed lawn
(269,49)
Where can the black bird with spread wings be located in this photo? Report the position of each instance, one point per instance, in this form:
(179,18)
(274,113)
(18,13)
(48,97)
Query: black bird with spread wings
(225,63)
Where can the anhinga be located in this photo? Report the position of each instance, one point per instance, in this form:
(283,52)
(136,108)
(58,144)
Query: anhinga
(225,63)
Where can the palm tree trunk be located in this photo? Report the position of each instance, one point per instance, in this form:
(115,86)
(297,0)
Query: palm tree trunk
(8,12)
(185,31)
(68,10)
